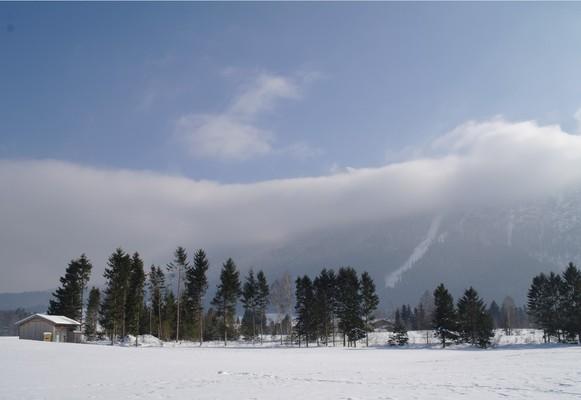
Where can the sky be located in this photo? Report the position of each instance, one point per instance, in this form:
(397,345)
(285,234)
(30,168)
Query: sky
(228,125)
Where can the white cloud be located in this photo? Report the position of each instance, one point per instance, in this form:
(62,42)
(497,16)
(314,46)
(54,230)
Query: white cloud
(224,137)
(50,211)
(235,133)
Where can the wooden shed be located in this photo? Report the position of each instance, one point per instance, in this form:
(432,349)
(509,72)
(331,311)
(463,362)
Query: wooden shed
(50,328)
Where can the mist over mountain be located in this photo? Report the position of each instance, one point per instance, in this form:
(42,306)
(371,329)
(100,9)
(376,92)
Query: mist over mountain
(497,250)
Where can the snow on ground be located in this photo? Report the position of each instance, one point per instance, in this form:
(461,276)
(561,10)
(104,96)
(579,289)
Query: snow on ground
(38,370)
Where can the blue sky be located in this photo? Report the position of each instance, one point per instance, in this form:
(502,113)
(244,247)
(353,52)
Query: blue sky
(105,85)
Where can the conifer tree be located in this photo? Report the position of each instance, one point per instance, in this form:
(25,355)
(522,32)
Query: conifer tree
(400,333)
(349,305)
(250,302)
(169,315)
(68,298)
(545,304)
(156,290)
(571,302)
(178,266)
(195,287)
(134,301)
(92,312)
(227,296)
(304,308)
(324,287)
(444,320)
(369,302)
(115,293)
(474,323)
(262,299)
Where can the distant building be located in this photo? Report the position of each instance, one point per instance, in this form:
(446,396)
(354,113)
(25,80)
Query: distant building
(49,328)
(382,325)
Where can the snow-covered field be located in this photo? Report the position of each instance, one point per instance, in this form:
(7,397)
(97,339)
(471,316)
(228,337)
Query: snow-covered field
(37,370)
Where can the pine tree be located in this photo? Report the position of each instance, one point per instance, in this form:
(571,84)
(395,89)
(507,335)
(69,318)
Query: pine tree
(304,308)
(85,268)
(262,299)
(369,302)
(250,302)
(195,288)
(571,302)
(227,296)
(92,312)
(68,298)
(169,315)
(400,333)
(545,304)
(178,266)
(349,305)
(156,289)
(444,320)
(474,323)
(324,286)
(115,294)
(134,301)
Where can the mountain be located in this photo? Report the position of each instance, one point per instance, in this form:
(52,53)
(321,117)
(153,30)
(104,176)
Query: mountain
(29,301)
(496,249)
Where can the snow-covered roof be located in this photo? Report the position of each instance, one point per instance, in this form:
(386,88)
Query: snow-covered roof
(55,319)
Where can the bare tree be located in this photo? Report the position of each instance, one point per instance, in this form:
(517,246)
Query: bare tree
(281,295)
(179,264)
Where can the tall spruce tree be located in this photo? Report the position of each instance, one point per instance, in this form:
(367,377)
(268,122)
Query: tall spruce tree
(169,315)
(156,290)
(68,298)
(400,333)
(369,302)
(92,313)
(324,286)
(444,321)
(178,266)
(227,296)
(545,304)
(195,287)
(304,309)
(250,302)
(349,305)
(262,299)
(115,294)
(135,294)
(474,323)
(571,302)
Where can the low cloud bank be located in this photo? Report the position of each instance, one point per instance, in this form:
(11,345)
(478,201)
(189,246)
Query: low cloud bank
(50,211)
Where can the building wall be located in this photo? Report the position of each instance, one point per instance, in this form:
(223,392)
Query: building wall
(34,329)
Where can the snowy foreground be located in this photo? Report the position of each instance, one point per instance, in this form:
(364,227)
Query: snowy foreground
(37,370)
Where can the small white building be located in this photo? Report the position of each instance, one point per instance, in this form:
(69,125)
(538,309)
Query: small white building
(49,328)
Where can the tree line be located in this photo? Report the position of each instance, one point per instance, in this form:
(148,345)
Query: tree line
(174,308)
(331,303)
